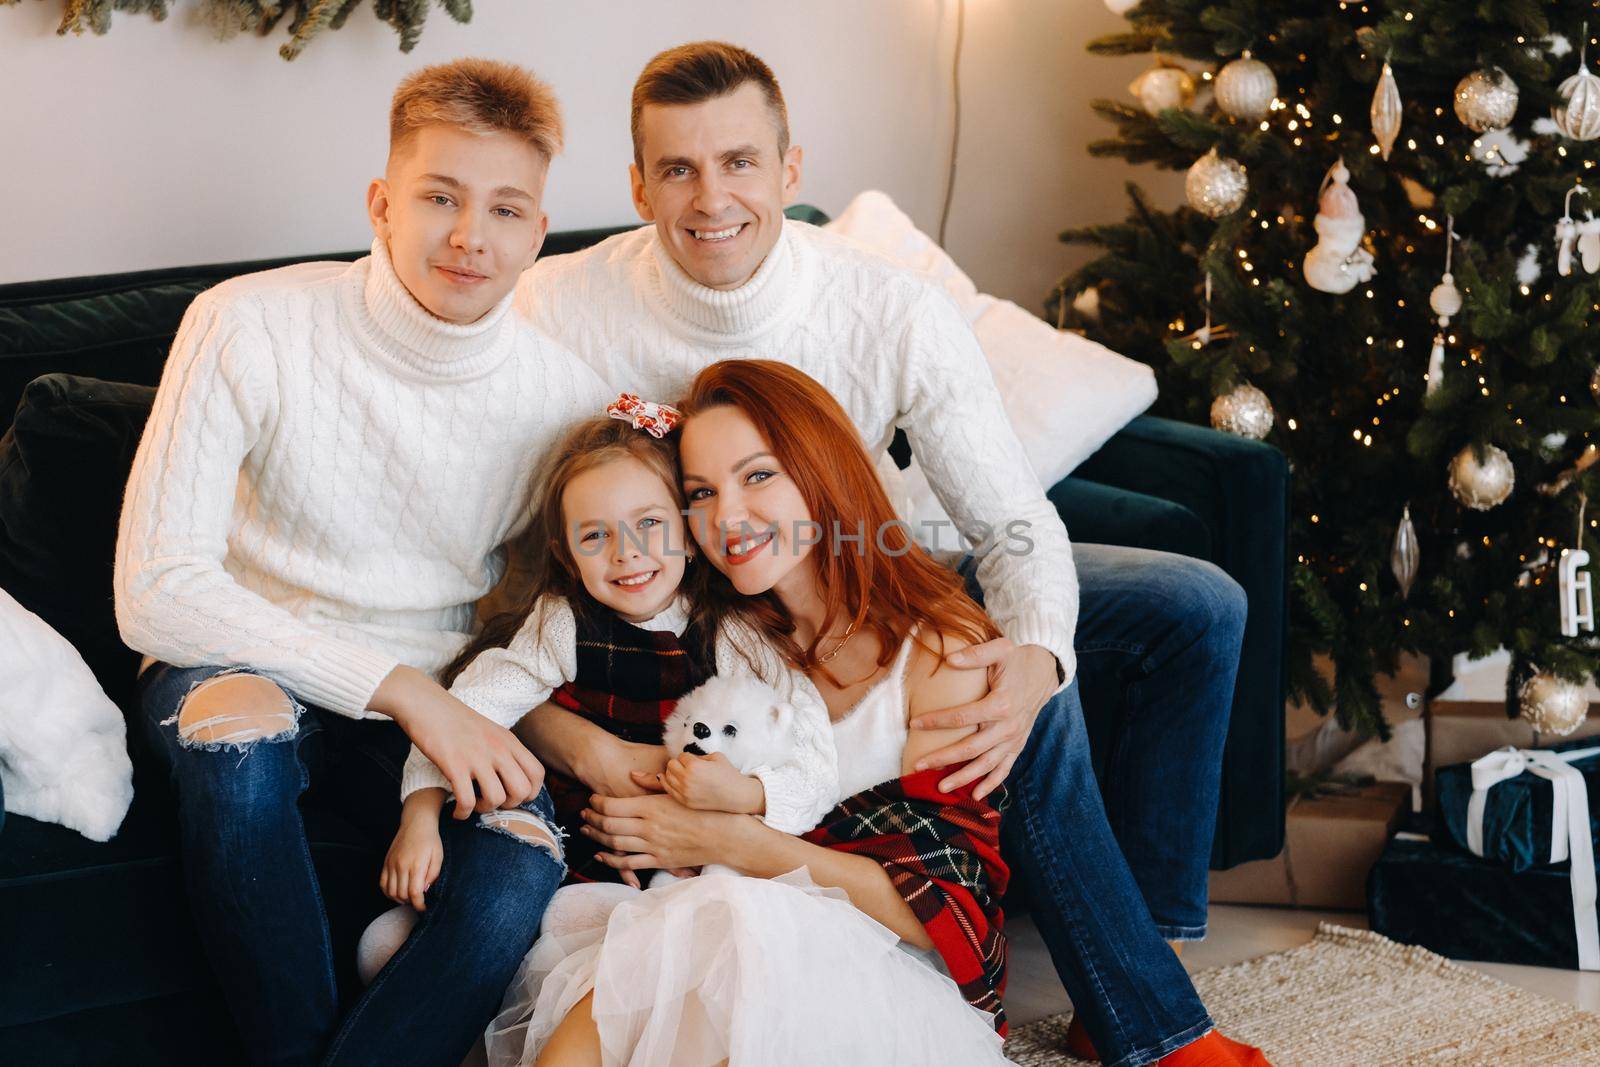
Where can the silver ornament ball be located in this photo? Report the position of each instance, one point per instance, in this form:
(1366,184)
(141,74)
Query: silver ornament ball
(1245,411)
(1486,100)
(1215,186)
(1162,87)
(1578,115)
(1481,486)
(1245,89)
(1552,705)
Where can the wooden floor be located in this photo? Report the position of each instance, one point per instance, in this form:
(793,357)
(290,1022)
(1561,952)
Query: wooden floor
(1242,933)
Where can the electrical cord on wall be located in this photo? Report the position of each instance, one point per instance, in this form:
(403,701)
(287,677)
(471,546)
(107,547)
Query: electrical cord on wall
(955,126)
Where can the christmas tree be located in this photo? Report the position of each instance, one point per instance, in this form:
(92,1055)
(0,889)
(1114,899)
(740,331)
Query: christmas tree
(1378,271)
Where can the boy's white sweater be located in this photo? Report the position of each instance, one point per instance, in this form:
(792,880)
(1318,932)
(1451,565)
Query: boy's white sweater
(327,475)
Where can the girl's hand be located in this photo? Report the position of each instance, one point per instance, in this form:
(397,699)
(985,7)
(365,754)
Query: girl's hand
(710,783)
(413,862)
(657,831)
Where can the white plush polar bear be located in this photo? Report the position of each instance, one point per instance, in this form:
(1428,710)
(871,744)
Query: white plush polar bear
(741,717)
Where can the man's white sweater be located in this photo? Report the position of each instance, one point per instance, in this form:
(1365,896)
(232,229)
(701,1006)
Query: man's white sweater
(327,475)
(892,349)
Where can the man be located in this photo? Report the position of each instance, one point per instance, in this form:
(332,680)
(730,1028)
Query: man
(336,454)
(719,274)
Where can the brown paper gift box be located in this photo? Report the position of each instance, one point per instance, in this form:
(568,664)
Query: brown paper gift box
(1465,730)
(1331,843)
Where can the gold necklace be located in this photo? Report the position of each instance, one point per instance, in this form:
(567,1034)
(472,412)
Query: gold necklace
(848,632)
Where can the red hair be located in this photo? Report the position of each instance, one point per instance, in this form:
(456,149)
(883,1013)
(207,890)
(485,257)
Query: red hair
(885,582)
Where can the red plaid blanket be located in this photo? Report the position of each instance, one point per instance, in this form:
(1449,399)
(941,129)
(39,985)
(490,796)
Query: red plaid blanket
(942,851)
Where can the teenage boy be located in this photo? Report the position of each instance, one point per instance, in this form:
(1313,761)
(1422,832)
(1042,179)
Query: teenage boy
(720,274)
(336,455)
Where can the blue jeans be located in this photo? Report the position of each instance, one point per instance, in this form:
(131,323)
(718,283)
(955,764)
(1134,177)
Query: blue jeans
(258,909)
(1161,632)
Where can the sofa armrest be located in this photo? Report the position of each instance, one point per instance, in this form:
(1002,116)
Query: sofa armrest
(1239,490)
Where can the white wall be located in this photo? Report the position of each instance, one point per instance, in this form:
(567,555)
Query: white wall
(158,146)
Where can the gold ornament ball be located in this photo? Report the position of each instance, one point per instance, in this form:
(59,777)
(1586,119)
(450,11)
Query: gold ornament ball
(1245,89)
(1481,486)
(1552,705)
(1578,116)
(1162,87)
(1215,186)
(1245,411)
(1486,100)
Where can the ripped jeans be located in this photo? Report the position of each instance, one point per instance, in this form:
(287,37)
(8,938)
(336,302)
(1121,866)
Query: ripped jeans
(258,908)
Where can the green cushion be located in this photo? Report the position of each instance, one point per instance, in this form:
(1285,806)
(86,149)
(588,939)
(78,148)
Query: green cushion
(63,465)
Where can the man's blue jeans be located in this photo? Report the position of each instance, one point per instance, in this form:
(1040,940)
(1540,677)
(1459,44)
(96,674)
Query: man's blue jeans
(1110,882)
(258,909)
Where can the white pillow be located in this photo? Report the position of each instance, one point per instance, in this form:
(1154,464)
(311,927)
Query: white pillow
(1065,395)
(63,744)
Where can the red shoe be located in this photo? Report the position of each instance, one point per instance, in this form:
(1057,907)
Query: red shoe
(1214,1050)
(1078,1043)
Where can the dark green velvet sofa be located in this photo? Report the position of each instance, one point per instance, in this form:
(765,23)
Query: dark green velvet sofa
(100,962)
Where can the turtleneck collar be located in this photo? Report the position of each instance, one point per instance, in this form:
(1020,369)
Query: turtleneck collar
(412,339)
(674,617)
(730,315)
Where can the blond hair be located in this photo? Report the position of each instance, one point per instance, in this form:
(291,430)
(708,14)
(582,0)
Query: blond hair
(705,70)
(480,96)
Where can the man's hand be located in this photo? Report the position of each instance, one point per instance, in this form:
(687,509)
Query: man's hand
(1020,681)
(711,783)
(466,747)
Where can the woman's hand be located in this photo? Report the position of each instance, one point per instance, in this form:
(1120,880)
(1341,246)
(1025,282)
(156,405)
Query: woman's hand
(656,831)
(711,783)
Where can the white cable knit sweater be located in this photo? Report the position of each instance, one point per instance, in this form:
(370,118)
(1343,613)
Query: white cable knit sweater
(503,684)
(327,475)
(891,348)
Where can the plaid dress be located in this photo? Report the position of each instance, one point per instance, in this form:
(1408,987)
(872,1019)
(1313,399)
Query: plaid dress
(942,852)
(628,681)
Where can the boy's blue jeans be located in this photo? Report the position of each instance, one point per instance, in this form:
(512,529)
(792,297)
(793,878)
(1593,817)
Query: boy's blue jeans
(1110,882)
(258,909)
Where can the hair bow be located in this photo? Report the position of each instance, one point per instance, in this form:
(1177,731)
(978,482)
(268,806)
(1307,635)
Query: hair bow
(657,420)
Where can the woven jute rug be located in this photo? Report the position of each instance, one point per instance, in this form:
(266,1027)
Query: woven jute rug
(1352,997)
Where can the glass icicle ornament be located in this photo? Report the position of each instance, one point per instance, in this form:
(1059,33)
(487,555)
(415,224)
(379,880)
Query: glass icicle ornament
(1386,111)
(1482,485)
(1215,185)
(1578,114)
(1404,555)
(1246,88)
(1486,100)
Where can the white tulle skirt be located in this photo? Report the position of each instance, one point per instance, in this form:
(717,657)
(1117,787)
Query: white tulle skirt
(758,972)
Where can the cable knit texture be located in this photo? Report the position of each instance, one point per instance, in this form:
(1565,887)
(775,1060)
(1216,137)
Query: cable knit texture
(504,684)
(893,350)
(327,475)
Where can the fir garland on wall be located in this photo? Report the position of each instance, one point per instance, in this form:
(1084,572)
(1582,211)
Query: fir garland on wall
(307,18)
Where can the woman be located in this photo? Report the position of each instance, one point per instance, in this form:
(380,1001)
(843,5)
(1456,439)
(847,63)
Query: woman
(804,968)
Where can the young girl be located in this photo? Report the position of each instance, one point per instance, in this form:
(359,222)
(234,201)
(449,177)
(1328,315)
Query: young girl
(608,628)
